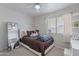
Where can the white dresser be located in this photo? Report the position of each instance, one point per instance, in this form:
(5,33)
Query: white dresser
(74,47)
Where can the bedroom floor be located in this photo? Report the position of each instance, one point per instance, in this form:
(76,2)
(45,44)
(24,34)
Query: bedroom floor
(21,51)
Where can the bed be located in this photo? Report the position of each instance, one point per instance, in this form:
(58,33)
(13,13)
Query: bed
(37,44)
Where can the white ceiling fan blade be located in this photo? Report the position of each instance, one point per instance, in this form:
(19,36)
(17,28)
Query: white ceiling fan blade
(29,6)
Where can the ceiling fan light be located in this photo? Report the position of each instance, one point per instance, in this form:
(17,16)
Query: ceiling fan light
(37,6)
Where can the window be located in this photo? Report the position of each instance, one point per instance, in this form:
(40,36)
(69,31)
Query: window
(52,25)
(60,24)
(56,24)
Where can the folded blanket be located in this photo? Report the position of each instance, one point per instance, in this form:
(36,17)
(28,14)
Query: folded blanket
(43,38)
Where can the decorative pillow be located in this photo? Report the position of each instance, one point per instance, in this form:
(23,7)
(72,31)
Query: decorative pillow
(33,34)
(28,33)
(23,33)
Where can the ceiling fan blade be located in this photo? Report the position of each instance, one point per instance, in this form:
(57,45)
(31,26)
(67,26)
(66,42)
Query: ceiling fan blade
(29,6)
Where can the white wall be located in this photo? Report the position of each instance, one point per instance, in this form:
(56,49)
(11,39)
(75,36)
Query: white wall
(41,23)
(6,15)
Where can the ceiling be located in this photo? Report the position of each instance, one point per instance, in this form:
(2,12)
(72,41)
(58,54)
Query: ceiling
(28,8)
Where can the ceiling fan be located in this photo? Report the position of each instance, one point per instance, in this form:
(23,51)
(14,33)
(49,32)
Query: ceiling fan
(37,6)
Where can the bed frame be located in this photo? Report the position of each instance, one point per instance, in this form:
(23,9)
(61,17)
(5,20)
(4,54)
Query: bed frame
(35,52)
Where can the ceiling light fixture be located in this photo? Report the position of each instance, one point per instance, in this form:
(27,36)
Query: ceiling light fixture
(37,6)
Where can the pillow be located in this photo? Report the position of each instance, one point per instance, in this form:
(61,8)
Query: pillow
(28,33)
(34,34)
(23,33)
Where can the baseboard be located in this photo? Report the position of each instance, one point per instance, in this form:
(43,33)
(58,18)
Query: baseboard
(2,49)
(35,52)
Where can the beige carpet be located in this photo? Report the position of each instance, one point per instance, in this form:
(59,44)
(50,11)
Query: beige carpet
(21,51)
